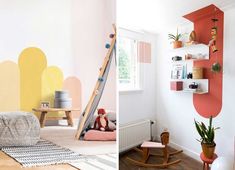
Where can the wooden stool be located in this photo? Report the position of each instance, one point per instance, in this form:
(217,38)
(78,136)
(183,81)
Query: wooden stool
(207,161)
(44,111)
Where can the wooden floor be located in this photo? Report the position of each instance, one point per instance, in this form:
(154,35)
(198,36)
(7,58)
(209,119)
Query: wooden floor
(7,163)
(186,163)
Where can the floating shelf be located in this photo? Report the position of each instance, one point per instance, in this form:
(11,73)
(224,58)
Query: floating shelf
(199,52)
(194,92)
(202,83)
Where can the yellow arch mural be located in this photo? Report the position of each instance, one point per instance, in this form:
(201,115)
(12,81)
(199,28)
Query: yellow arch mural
(52,80)
(32,62)
(10,86)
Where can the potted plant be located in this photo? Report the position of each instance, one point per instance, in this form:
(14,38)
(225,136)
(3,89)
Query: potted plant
(176,39)
(215,67)
(207,137)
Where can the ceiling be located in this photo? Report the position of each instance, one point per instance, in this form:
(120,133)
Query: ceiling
(158,15)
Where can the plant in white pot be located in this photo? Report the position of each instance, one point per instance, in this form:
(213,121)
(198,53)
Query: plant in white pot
(207,135)
(176,39)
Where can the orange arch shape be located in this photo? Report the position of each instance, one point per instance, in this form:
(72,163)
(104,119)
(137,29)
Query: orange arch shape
(209,104)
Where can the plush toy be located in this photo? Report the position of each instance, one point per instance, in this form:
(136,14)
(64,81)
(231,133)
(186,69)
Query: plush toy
(101,121)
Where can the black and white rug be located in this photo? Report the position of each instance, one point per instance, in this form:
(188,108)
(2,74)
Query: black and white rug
(43,153)
(48,153)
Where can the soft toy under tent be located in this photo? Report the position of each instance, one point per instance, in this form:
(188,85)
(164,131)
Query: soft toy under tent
(91,107)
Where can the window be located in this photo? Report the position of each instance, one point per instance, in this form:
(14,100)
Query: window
(128,65)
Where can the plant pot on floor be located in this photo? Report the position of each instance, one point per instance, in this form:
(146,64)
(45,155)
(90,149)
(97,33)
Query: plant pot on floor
(208,149)
(177,44)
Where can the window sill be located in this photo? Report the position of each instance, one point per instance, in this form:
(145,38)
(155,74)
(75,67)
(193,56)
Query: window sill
(132,91)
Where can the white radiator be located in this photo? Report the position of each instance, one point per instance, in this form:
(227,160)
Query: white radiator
(133,134)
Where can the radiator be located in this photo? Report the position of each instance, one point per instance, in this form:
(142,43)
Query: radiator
(133,134)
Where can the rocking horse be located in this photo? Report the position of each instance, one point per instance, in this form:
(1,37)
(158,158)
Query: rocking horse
(145,150)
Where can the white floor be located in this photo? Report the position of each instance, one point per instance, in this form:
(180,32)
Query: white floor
(65,136)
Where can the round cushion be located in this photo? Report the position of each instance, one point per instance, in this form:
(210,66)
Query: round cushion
(18,129)
(207,160)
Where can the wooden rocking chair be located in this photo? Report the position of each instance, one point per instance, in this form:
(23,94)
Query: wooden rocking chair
(145,148)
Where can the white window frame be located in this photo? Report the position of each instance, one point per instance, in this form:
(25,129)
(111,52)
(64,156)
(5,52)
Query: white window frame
(138,36)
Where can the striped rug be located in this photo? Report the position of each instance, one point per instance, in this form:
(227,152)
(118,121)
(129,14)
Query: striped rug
(48,153)
(43,153)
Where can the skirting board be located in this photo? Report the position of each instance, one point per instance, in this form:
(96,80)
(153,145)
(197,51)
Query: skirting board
(186,151)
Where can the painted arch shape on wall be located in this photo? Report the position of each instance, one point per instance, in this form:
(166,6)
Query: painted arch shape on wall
(10,86)
(52,80)
(209,104)
(32,62)
(73,85)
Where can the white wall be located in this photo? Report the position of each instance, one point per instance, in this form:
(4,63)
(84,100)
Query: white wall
(136,105)
(176,112)
(72,34)
(91,25)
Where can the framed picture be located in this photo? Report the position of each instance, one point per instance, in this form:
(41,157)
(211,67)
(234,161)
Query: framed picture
(45,104)
(179,71)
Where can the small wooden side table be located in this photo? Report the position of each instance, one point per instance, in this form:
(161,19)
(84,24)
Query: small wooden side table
(207,161)
(44,111)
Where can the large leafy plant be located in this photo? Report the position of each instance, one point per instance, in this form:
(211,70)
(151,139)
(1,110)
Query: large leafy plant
(207,133)
(175,37)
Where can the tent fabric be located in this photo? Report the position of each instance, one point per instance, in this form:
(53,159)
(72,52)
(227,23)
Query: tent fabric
(98,96)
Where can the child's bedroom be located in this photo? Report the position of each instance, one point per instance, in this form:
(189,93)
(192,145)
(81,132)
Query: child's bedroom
(117,84)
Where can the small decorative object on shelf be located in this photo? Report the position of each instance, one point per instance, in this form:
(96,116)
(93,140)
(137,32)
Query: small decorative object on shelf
(215,67)
(176,85)
(197,73)
(176,58)
(193,85)
(178,71)
(192,39)
(45,104)
(188,56)
(189,76)
(176,39)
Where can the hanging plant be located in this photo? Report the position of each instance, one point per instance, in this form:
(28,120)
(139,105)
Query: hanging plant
(216,67)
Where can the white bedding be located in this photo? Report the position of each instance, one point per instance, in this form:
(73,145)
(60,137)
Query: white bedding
(65,137)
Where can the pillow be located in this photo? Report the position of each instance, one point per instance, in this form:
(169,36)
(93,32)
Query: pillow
(96,135)
(112,126)
(111,115)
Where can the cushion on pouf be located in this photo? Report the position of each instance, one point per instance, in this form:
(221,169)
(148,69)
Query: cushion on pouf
(18,129)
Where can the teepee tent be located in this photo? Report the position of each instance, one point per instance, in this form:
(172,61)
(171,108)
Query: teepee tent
(89,111)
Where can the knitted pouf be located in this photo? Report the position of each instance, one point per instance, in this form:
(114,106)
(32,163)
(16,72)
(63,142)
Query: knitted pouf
(18,129)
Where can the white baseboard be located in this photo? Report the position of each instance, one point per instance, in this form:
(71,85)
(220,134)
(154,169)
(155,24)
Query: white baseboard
(186,151)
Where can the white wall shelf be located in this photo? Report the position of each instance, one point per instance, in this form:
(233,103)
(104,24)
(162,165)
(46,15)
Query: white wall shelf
(199,52)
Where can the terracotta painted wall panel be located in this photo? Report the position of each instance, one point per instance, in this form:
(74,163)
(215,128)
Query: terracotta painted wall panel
(211,103)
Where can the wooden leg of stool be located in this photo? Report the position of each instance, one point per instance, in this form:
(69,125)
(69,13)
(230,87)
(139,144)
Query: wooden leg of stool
(69,118)
(204,165)
(207,166)
(43,119)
